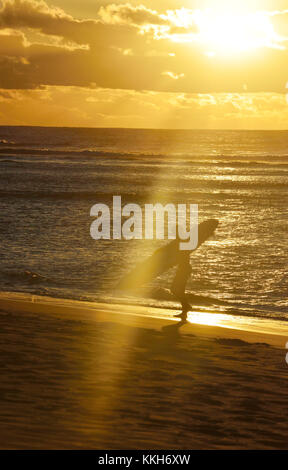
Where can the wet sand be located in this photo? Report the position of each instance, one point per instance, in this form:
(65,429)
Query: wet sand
(76,375)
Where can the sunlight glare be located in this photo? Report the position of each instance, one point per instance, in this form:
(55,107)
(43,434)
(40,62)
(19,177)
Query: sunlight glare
(210,319)
(228,32)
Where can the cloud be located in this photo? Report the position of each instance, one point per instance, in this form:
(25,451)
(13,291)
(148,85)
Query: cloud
(174,76)
(178,25)
(51,21)
(107,27)
(135,15)
(78,106)
(44,46)
(279,20)
(37,17)
(120,67)
(33,14)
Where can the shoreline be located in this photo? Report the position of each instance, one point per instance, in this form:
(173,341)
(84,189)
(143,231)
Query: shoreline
(209,324)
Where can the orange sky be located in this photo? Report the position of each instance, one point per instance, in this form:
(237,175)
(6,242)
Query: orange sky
(151,64)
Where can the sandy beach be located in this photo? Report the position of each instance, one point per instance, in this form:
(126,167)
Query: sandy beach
(77,376)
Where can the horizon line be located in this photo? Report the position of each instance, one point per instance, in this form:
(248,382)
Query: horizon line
(147,128)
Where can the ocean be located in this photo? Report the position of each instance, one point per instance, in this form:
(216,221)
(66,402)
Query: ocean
(51,177)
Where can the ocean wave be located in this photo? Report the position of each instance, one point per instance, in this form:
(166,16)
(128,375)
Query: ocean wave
(38,284)
(160,293)
(92,195)
(24,276)
(140,196)
(193,159)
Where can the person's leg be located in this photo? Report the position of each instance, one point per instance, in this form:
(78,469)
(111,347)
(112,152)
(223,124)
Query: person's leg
(178,286)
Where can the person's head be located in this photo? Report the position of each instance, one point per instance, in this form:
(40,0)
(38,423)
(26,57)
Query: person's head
(209,225)
(206,229)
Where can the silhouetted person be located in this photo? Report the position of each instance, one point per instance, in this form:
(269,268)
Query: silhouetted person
(165,258)
(180,280)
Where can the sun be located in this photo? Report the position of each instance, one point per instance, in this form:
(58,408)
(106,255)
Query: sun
(228,32)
